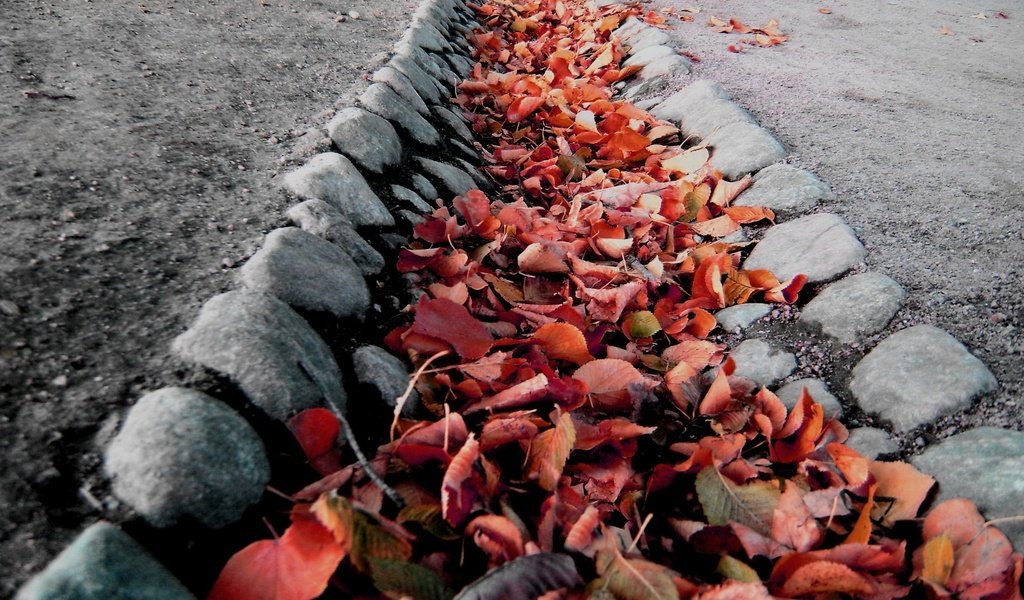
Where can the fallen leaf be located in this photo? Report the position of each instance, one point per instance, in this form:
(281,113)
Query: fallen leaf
(443,319)
(562,341)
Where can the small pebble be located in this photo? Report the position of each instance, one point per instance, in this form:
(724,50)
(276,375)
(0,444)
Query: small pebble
(354,14)
(60,381)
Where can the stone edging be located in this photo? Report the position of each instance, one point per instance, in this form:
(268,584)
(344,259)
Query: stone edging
(184,455)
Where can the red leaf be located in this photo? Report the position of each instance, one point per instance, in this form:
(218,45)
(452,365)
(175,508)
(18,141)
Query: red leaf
(498,537)
(609,378)
(458,492)
(443,319)
(523,107)
(296,566)
(316,429)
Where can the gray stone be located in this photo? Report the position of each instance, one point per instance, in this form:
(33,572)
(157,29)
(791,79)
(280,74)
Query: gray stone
(454,180)
(411,199)
(757,361)
(382,370)
(462,65)
(384,101)
(648,54)
(785,189)
(322,219)
(712,115)
(689,100)
(181,453)
(422,33)
(636,89)
(104,563)
(367,139)
(985,465)
(399,82)
(478,176)
(741,148)
(421,81)
(855,307)
(273,355)
(647,103)
(453,121)
(412,218)
(871,442)
(918,374)
(741,316)
(791,392)
(665,66)
(334,179)
(647,37)
(308,273)
(820,246)
(629,27)
(424,187)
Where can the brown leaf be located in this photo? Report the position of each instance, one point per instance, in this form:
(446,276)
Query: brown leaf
(549,452)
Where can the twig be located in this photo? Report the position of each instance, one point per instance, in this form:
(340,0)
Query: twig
(401,400)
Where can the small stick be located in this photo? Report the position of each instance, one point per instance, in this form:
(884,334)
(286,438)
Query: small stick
(401,400)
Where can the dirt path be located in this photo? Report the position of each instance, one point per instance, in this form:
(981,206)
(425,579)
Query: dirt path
(141,139)
(921,135)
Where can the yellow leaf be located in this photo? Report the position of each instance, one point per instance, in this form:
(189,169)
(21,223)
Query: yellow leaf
(938,559)
(687,162)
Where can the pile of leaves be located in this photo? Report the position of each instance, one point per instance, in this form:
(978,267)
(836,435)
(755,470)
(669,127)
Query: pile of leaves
(585,438)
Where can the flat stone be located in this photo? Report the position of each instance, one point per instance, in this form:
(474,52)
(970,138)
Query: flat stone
(785,189)
(478,176)
(648,54)
(791,392)
(182,454)
(421,81)
(918,374)
(454,180)
(665,66)
(273,355)
(855,307)
(871,442)
(629,26)
(712,115)
(370,141)
(820,246)
(399,82)
(741,316)
(462,65)
(647,37)
(378,368)
(104,563)
(308,273)
(741,148)
(422,33)
(646,104)
(757,361)
(636,89)
(384,101)
(411,199)
(986,466)
(423,187)
(453,121)
(322,219)
(411,218)
(690,100)
(334,179)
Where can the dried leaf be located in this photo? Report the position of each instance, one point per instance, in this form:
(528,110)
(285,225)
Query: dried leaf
(634,578)
(904,485)
(549,452)
(938,559)
(399,579)
(443,319)
(723,501)
(525,577)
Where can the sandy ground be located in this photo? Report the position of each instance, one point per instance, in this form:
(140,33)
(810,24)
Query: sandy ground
(921,135)
(141,139)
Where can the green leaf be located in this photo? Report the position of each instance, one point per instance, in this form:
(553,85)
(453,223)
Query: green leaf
(399,579)
(632,578)
(733,568)
(429,517)
(643,324)
(723,501)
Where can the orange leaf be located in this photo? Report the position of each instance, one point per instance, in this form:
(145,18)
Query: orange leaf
(458,494)
(562,341)
(498,537)
(861,532)
(823,577)
(582,532)
(539,257)
(549,452)
(608,376)
(905,485)
(296,566)
(523,107)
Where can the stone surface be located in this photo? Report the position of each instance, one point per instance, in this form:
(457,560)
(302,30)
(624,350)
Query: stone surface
(421,81)
(423,187)
(273,355)
(411,199)
(741,148)
(855,307)
(334,179)
(918,374)
(665,66)
(399,82)
(648,54)
(757,361)
(871,442)
(740,316)
(691,100)
(820,246)
(453,121)
(104,563)
(422,33)
(462,65)
(308,273)
(180,454)
(384,101)
(711,115)
(985,465)
(454,180)
(322,219)
(478,176)
(791,392)
(647,37)
(378,368)
(369,140)
(785,189)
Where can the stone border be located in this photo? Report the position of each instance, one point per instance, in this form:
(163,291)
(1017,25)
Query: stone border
(184,455)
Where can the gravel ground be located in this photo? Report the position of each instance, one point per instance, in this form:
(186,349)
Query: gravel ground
(141,143)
